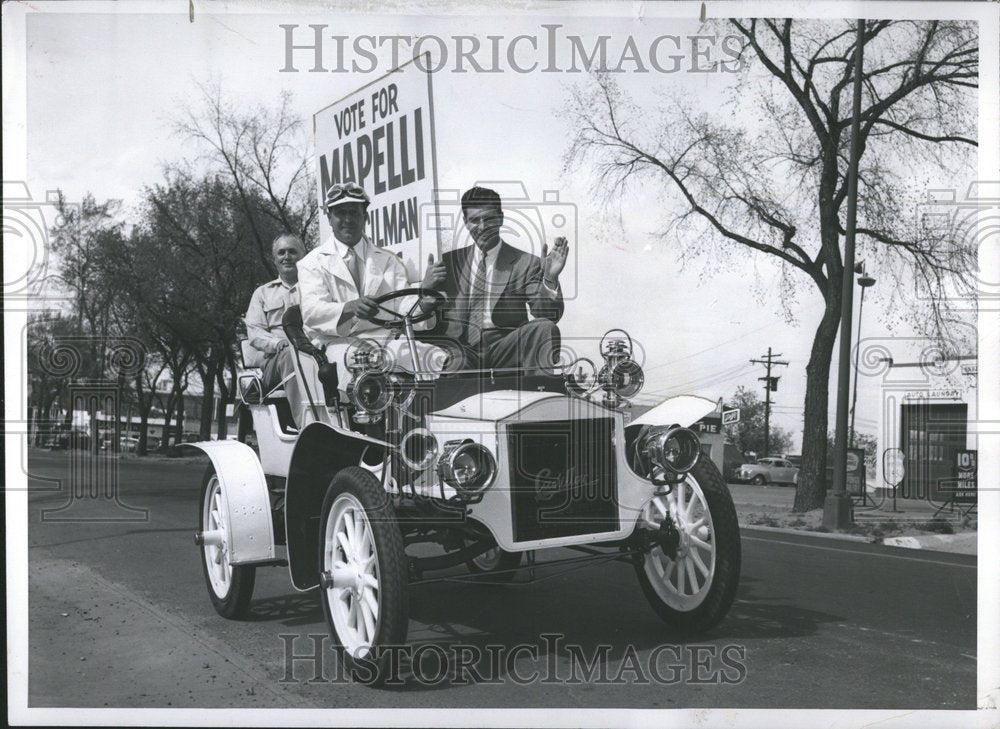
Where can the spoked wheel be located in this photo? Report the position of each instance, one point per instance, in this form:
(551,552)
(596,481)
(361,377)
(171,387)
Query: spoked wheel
(495,563)
(690,573)
(363,581)
(229,586)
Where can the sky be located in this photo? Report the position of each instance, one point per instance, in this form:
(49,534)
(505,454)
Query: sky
(103,88)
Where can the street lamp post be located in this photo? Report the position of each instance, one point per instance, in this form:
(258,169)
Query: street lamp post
(864,281)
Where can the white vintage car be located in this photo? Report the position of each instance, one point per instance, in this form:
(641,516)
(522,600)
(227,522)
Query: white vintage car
(488,466)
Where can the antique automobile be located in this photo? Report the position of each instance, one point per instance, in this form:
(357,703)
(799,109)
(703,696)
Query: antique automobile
(385,481)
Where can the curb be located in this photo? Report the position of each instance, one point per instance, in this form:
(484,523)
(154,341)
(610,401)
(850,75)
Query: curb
(926,543)
(808,533)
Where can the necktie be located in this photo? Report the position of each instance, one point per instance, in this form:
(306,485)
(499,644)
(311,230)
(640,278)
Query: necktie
(354,266)
(477,303)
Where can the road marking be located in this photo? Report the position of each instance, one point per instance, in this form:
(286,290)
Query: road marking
(857,551)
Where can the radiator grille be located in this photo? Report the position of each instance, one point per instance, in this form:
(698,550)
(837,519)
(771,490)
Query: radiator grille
(562,478)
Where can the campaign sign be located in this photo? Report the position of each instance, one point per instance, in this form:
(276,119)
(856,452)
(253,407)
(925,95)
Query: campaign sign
(382,137)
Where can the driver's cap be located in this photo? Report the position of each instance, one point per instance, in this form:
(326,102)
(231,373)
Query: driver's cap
(342,193)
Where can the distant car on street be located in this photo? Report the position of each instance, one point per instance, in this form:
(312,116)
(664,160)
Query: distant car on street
(732,461)
(768,470)
(126,444)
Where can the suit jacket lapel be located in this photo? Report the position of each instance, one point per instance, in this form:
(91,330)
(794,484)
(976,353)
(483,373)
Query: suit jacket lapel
(502,271)
(463,276)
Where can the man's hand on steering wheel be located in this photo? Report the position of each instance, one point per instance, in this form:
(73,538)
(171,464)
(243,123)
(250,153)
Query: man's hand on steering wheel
(362,307)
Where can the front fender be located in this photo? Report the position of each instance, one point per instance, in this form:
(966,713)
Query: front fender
(320,452)
(251,534)
(683,410)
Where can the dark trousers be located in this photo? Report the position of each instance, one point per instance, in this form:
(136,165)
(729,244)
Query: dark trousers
(531,346)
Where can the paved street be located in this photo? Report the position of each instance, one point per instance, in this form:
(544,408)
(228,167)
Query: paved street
(119,616)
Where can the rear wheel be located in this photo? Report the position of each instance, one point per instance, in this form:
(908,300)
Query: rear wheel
(363,579)
(229,586)
(495,564)
(690,575)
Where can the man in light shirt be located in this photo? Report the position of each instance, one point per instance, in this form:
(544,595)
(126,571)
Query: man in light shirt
(492,287)
(339,280)
(263,318)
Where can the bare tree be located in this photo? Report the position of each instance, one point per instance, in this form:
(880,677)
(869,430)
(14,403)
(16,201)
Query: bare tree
(262,151)
(778,186)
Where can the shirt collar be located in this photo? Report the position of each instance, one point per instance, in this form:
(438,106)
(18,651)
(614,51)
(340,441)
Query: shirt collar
(280,282)
(361,248)
(491,254)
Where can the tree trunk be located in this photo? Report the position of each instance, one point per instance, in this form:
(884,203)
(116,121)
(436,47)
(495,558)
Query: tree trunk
(207,399)
(811,489)
(179,423)
(168,416)
(142,448)
(222,426)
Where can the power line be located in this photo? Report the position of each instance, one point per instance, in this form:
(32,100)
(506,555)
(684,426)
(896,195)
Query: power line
(703,381)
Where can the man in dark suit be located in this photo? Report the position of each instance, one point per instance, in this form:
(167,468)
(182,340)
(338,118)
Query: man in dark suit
(492,287)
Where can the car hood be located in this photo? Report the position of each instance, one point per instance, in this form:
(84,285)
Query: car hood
(496,405)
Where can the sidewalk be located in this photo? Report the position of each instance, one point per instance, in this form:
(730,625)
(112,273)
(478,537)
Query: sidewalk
(914,524)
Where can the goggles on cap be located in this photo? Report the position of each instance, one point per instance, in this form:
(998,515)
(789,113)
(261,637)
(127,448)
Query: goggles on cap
(347,192)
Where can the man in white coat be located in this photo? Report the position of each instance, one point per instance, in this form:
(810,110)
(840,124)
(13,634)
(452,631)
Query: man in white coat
(339,279)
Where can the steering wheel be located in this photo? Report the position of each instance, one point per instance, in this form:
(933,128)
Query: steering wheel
(397,319)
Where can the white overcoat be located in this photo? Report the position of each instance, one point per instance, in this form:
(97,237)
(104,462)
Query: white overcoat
(326,285)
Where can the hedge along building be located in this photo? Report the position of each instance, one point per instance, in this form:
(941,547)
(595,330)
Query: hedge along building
(927,412)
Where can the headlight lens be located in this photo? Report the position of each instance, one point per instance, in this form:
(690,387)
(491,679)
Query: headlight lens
(418,449)
(624,378)
(467,467)
(628,378)
(673,449)
(370,392)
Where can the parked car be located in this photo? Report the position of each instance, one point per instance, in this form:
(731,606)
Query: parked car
(732,460)
(489,467)
(126,444)
(769,470)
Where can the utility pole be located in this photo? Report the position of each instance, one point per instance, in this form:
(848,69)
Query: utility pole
(770,384)
(837,505)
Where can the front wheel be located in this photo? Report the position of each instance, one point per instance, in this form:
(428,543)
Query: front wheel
(363,583)
(759,480)
(690,572)
(229,586)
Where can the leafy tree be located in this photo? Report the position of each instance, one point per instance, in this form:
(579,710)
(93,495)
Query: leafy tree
(201,248)
(748,434)
(778,187)
(48,364)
